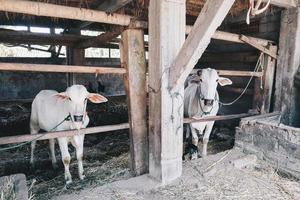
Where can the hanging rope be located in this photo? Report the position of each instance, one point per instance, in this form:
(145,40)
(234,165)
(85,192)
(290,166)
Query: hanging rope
(257,67)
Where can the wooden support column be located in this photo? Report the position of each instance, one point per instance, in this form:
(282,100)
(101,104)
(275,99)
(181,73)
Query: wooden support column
(166,36)
(75,56)
(287,66)
(209,19)
(263,86)
(134,61)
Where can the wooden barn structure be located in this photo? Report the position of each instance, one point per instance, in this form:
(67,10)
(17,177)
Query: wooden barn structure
(180,32)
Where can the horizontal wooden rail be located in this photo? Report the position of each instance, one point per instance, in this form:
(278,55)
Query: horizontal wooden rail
(50,135)
(235,73)
(102,129)
(219,118)
(60,68)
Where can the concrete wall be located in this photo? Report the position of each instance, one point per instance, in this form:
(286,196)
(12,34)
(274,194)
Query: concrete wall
(276,143)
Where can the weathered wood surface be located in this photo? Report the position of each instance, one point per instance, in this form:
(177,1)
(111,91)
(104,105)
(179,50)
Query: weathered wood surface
(209,19)
(167,30)
(263,87)
(66,12)
(134,61)
(50,135)
(256,45)
(287,66)
(235,73)
(59,68)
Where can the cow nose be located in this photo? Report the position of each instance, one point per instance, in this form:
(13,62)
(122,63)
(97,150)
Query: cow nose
(208,102)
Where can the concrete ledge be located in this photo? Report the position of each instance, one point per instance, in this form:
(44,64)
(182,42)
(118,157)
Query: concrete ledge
(19,184)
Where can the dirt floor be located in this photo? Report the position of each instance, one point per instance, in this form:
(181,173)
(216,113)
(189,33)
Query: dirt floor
(213,177)
(106,155)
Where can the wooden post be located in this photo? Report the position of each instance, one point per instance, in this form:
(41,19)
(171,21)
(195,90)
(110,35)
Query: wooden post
(287,65)
(166,36)
(263,86)
(75,56)
(134,61)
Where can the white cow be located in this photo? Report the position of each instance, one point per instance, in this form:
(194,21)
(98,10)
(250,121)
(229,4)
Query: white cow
(201,99)
(50,111)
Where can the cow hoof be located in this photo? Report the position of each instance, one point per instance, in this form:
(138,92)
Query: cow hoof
(82,177)
(194,156)
(68,183)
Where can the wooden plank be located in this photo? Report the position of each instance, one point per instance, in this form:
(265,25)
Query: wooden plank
(134,61)
(283,3)
(51,135)
(232,37)
(219,118)
(66,12)
(99,40)
(167,30)
(263,87)
(210,18)
(235,73)
(254,44)
(60,68)
(286,95)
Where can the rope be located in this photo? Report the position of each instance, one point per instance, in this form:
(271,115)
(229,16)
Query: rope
(258,64)
(25,143)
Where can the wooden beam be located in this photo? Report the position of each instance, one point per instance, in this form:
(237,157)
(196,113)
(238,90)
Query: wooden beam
(263,87)
(134,61)
(23,37)
(60,68)
(112,5)
(66,12)
(109,6)
(219,118)
(210,18)
(256,45)
(283,3)
(235,73)
(167,31)
(102,39)
(51,135)
(286,95)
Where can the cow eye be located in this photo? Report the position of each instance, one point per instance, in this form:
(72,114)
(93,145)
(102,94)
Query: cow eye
(70,98)
(200,80)
(217,80)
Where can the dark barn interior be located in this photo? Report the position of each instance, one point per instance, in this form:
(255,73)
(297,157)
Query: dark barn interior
(115,56)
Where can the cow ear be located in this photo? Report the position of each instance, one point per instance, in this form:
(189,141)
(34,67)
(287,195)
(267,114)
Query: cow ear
(224,81)
(96,98)
(61,96)
(199,72)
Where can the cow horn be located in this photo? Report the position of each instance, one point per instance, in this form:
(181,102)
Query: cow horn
(259,11)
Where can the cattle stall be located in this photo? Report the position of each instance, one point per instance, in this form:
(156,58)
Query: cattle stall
(151,48)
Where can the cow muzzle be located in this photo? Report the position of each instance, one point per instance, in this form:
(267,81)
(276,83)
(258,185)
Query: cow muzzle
(208,102)
(78,118)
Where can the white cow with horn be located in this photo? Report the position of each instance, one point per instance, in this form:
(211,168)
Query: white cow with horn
(201,99)
(53,111)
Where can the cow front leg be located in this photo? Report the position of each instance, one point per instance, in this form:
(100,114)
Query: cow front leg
(66,158)
(52,153)
(207,133)
(78,144)
(195,140)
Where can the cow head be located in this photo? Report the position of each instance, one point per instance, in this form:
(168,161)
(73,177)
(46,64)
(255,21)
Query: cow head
(209,80)
(76,98)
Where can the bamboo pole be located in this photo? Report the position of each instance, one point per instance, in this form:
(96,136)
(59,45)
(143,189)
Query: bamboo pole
(60,68)
(50,135)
